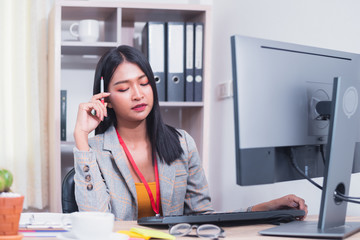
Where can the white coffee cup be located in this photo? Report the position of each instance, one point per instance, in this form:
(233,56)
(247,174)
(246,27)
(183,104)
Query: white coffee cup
(91,225)
(87,30)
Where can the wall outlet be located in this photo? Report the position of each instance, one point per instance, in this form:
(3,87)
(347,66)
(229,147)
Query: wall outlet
(225,90)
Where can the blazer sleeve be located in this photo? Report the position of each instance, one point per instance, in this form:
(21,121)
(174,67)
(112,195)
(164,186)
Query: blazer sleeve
(197,198)
(91,193)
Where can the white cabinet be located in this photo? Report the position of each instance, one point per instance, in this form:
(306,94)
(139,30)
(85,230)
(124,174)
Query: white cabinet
(72,66)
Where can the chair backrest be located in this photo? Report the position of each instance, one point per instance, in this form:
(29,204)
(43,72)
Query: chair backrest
(68,193)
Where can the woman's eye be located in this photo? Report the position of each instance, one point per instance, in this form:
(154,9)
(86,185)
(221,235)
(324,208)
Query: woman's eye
(123,90)
(145,83)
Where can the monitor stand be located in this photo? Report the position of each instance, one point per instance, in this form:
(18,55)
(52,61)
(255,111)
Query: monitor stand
(344,118)
(310,229)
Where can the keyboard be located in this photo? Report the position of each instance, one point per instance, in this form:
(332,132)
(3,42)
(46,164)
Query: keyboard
(237,218)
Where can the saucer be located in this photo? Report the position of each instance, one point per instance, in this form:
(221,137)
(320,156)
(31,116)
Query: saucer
(113,236)
(12,237)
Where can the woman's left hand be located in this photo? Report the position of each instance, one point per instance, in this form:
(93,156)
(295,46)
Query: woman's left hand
(286,202)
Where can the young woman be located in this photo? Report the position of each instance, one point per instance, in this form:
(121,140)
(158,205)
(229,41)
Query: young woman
(136,165)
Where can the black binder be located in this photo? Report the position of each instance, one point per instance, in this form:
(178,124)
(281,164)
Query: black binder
(153,47)
(175,61)
(63,98)
(189,62)
(199,48)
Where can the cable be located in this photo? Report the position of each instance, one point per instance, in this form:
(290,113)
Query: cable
(337,194)
(345,198)
(322,153)
(297,168)
(348,197)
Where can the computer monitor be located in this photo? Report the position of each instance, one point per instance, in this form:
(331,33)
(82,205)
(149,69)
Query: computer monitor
(276,88)
(283,100)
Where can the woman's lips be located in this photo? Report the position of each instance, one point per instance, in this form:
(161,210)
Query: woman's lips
(139,107)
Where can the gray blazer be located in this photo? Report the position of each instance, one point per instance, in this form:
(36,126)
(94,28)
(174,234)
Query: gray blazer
(103,181)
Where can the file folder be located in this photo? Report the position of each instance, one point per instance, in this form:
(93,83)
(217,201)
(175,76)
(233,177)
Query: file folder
(175,61)
(153,47)
(199,47)
(189,62)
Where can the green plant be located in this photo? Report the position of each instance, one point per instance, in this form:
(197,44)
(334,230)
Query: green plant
(6,180)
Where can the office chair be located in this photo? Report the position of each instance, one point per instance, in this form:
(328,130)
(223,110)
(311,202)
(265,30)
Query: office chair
(68,193)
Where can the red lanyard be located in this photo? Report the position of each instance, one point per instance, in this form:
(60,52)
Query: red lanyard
(127,152)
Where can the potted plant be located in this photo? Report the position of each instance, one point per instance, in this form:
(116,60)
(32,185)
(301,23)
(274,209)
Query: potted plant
(11,205)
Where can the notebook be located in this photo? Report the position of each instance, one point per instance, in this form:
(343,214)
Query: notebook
(238,218)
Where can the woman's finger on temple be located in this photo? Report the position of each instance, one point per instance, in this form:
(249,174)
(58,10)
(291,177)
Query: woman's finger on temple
(99,96)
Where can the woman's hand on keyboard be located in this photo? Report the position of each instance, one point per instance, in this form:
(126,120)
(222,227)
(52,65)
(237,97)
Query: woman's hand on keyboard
(286,202)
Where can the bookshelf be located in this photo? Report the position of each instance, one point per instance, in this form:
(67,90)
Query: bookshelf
(72,67)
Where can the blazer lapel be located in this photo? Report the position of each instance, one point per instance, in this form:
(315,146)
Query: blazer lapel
(167,179)
(111,143)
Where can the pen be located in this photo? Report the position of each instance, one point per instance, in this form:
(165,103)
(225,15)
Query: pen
(93,112)
(102,88)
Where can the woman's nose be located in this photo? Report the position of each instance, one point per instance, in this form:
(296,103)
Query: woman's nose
(137,93)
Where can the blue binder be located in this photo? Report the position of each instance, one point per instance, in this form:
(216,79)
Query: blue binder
(199,47)
(189,62)
(175,61)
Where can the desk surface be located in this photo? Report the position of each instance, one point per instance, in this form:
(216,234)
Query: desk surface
(232,232)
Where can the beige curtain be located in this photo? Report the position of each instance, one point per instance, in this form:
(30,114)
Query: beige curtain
(23,85)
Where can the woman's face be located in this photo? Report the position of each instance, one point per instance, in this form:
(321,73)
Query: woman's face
(131,94)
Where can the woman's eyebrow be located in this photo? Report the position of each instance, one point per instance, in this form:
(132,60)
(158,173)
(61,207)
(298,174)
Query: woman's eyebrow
(142,76)
(125,81)
(120,82)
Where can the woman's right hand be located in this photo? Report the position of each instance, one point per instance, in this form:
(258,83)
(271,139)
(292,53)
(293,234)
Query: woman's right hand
(86,122)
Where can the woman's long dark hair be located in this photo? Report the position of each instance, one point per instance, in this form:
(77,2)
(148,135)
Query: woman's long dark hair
(163,138)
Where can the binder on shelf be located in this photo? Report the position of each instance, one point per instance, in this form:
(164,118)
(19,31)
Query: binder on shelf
(175,61)
(63,104)
(199,48)
(189,62)
(153,47)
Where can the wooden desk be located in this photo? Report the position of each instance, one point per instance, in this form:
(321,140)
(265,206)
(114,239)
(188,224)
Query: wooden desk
(234,232)
(239,232)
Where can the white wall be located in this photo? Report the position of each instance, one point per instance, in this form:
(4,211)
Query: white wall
(331,24)
(322,23)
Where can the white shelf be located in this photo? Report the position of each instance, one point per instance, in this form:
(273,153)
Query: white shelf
(78,48)
(181,104)
(86,44)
